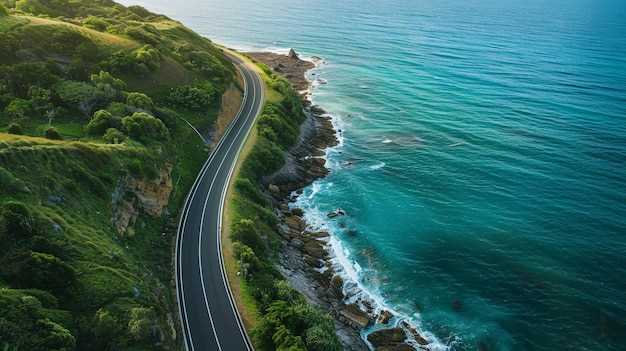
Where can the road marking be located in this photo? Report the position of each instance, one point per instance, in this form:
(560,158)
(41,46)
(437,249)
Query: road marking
(183,221)
(204,215)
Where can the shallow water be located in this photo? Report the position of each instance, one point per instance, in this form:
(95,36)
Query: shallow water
(487,199)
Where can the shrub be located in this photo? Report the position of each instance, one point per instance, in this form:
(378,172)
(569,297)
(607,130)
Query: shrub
(275,128)
(3,11)
(140,11)
(107,79)
(245,232)
(20,77)
(25,323)
(205,63)
(53,336)
(148,56)
(191,97)
(17,220)
(40,99)
(139,33)
(139,100)
(265,158)
(15,128)
(114,136)
(248,262)
(118,109)
(78,95)
(249,190)
(100,122)
(96,23)
(168,117)
(144,127)
(106,325)
(141,322)
(52,134)
(44,271)
(9,184)
(19,108)
(121,62)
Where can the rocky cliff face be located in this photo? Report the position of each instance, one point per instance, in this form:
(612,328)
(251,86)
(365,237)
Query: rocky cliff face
(139,195)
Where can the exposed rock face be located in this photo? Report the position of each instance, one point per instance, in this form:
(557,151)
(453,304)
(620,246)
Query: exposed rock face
(290,66)
(303,163)
(354,316)
(292,54)
(134,196)
(384,317)
(388,339)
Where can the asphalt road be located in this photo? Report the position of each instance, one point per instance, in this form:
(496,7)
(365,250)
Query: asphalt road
(208,313)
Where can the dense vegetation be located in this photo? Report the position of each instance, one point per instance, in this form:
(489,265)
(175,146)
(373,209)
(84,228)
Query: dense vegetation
(286,320)
(92,96)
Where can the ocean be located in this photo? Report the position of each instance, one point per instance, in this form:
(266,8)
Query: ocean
(482,163)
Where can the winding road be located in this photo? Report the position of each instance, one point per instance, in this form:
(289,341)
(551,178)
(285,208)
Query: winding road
(208,312)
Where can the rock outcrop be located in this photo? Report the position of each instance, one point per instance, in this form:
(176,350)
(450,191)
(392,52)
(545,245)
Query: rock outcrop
(139,195)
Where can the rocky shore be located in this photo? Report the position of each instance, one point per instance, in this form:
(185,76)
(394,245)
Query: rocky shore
(305,258)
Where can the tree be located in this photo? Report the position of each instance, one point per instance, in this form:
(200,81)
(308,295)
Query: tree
(191,97)
(144,127)
(20,77)
(19,108)
(139,100)
(107,79)
(40,99)
(79,95)
(100,122)
(114,136)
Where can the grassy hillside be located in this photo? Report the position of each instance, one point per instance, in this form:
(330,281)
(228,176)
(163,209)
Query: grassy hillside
(95,159)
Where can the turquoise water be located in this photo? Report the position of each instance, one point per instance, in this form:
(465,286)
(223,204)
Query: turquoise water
(487,195)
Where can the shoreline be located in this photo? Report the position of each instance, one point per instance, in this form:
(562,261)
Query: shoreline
(320,276)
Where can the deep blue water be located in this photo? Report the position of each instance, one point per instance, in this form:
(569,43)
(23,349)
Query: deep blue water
(487,195)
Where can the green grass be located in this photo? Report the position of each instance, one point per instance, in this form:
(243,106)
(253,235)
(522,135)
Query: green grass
(11,22)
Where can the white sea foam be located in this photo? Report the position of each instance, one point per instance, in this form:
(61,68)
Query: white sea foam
(387,141)
(378,166)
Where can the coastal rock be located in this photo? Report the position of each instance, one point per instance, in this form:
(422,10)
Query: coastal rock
(275,190)
(315,249)
(399,347)
(295,223)
(414,333)
(319,235)
(384,317)
(387,338)
(293,54)
(354,316)
(336,287)
(336,213)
